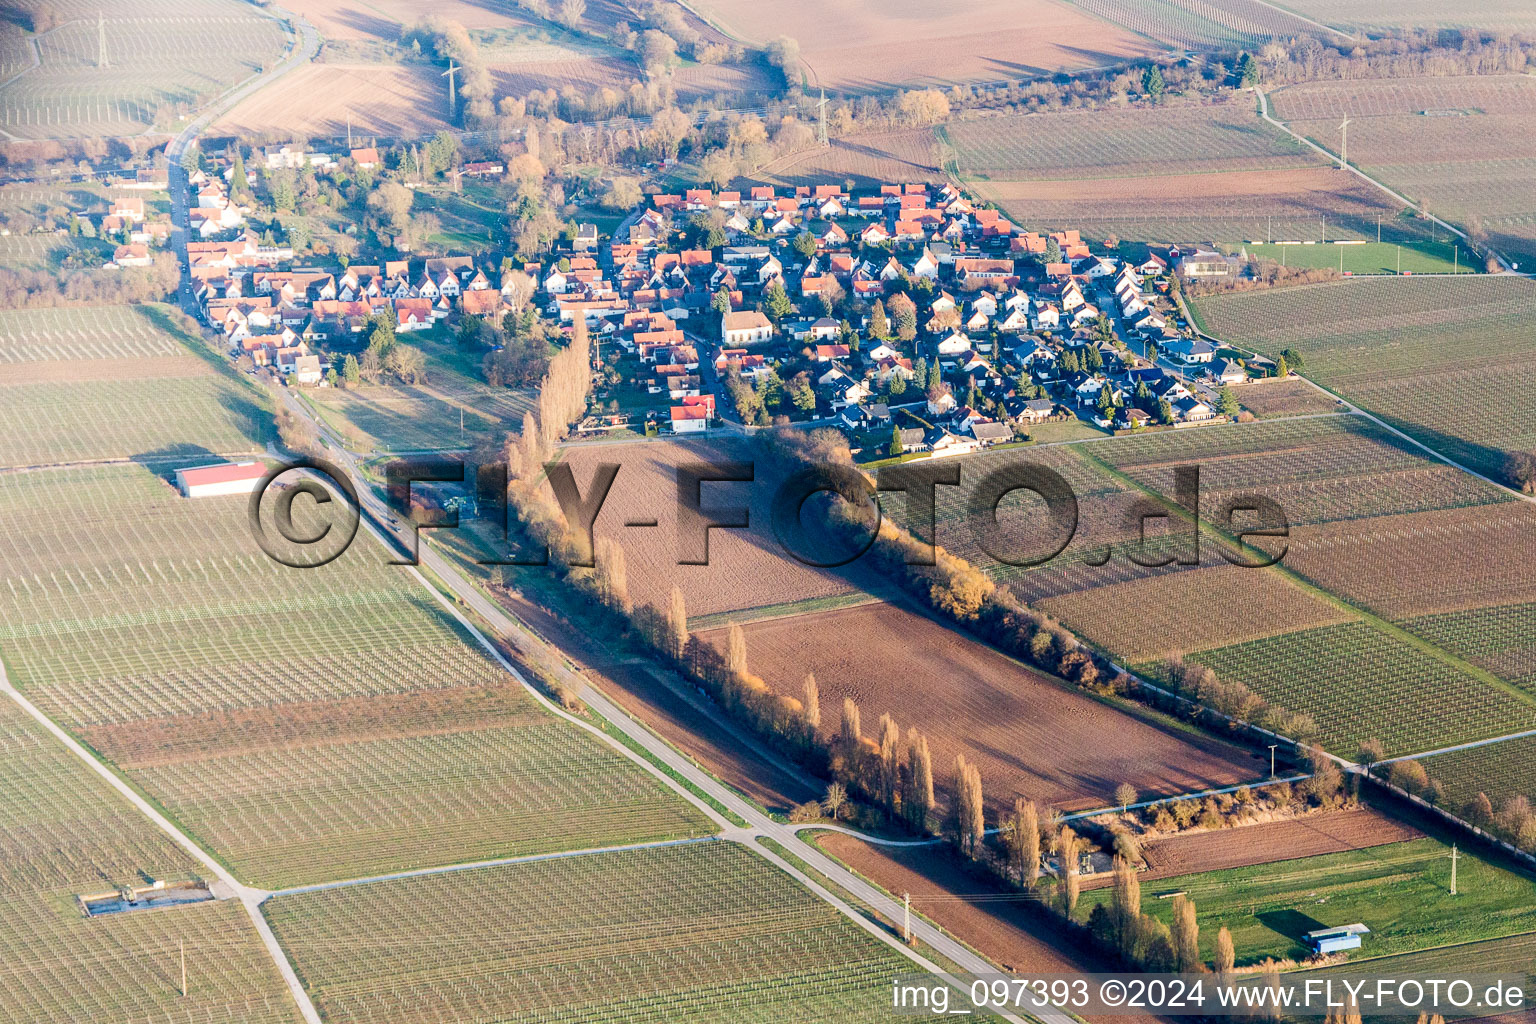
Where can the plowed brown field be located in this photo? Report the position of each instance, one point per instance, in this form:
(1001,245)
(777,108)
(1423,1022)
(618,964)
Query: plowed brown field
(1309,836)
(747,567)
(1029,735)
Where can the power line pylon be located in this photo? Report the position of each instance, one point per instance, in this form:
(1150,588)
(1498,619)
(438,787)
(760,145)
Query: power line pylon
(821,108)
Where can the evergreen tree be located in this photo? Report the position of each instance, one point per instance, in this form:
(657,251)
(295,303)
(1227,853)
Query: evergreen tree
(1228,401)
(1282,368)
(1052,251)
(1153,85)
(776,303)
(350,372)
(239,189)
(896,447)
(1247,71)
(879,326)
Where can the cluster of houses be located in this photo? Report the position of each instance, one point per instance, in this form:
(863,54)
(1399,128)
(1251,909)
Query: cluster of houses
(988,329)
(126,219)
(990,309)
(279,317)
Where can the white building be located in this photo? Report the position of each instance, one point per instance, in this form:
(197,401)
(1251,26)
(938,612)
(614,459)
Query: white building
(220,478)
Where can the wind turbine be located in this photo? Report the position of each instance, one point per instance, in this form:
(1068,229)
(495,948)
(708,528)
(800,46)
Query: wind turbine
(452,103)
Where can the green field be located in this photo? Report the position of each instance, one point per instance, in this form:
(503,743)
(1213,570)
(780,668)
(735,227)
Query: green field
(308,724)
(1400,891)
(1368,257)
(1446,360)
(707,933)
(64,833)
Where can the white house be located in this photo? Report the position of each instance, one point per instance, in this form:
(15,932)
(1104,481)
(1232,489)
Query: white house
(744,327)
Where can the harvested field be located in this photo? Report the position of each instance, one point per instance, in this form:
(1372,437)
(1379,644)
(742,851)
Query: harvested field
(747,567)
(1030,735)
(383,20)
(376,736)
(1462,145)
(710,932)
(1308,836)
(848,47)
(1160,616)
(870,158)
(319,99)
(584,73)
(1275,399)
(1442,359)
(1001,925)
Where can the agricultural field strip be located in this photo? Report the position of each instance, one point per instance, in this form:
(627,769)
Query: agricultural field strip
(92,332)
(448,869)
(501,621)
(1364,617)
(1461,746)
(250,898)
(690,771)
(1357,172)
(1372,417)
